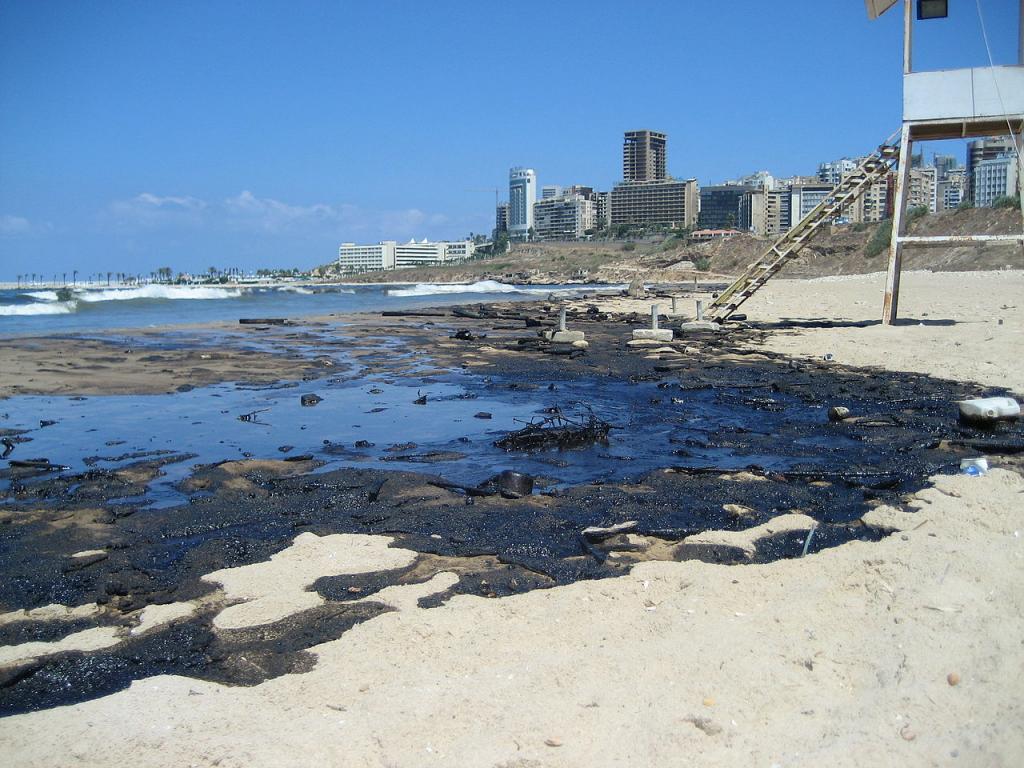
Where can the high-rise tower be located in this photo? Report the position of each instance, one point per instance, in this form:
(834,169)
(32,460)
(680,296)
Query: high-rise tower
(643,156)
(522,194)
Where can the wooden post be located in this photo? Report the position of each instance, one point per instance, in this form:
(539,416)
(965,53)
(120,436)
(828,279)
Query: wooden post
(1018,145)
(899,226)
(908,36)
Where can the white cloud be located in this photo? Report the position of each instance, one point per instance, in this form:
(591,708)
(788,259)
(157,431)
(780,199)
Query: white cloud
(14,225)
(273,216)
(147,210)
(245,212)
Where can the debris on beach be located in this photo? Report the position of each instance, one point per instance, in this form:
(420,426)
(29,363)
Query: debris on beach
(984,412)
(556,431)
(253,416)
(264,321)
(598,533)
(509,484)
(467,335)
(838,413)
(41,465)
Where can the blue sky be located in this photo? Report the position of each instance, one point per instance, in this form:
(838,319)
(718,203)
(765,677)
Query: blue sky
(135,135)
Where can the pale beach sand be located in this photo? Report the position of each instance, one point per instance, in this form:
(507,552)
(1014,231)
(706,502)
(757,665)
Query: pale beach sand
(905,652)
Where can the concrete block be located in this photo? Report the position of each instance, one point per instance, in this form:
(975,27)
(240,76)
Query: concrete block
(564,336)
(660,334)
(699,325)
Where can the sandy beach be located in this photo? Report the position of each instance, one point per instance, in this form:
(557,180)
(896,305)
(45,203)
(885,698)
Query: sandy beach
(903,651)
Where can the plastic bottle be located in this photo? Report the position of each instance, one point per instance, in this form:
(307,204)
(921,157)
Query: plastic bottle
(989,409)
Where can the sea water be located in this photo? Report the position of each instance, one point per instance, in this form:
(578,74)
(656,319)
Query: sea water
(89,308)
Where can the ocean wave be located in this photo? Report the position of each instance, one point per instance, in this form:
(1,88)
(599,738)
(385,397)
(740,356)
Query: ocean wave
(482,286)
(296,289)
(158,292)
(38,308)
(43,295)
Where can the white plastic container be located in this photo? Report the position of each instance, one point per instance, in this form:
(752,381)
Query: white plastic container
(989,409)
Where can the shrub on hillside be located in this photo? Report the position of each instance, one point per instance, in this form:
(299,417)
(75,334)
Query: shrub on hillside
(879,241)
(1006,201)
(917,212)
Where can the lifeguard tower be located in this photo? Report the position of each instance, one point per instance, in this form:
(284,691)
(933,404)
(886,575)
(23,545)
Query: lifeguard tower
(945,104)
(948,104)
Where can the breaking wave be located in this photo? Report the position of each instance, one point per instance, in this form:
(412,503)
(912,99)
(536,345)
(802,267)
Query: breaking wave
(482,286)
(38,308)
(43,295)
(158,292)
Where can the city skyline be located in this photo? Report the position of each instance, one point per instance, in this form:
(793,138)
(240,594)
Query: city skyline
(224,133)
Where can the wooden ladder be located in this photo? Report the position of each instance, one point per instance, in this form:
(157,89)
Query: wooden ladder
(872,168)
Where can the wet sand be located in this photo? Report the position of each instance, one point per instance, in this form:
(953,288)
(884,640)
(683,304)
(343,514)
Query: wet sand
(903,651)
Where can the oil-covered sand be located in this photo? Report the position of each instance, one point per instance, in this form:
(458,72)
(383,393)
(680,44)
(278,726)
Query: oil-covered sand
(360,613)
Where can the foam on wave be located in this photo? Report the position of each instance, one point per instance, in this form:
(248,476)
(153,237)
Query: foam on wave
(482,286)
(43,295)
(38,308)
(158,292)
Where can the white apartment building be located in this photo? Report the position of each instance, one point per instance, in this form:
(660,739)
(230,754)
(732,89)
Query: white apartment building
(389,254)
(873,204)
(758,180)
(992,178)
(354,258)
(804,198)
(567,217)
(832,173)
(922,188)
(950,192)
(522,194)
(769,211)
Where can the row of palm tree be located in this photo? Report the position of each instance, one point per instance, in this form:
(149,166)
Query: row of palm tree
(159,275)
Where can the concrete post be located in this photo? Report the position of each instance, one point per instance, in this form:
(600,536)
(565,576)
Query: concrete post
(561,319)
(700,309)
(675,305)
(654,316)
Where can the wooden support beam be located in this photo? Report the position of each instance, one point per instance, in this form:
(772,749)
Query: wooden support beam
(945,239)
(890,305)
(908,36)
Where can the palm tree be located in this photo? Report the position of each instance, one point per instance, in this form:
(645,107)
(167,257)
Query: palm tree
(19,281)
(65,278)
(74,276)
(108,278)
